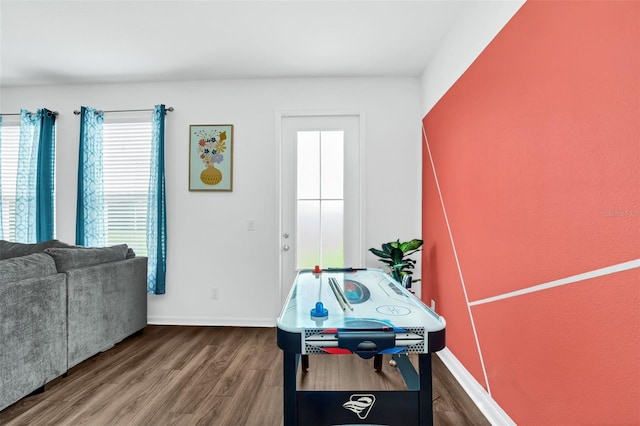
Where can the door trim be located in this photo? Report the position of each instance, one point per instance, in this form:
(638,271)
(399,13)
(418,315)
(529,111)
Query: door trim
(280,114)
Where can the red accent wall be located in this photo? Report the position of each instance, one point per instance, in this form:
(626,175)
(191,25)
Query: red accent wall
(531,174)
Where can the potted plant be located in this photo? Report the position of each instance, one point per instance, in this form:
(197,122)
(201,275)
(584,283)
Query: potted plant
(395,255)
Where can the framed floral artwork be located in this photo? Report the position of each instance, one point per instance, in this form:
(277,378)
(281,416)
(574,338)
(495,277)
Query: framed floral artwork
(211,157)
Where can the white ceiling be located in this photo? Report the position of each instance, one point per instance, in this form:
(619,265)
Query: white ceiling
(102,41)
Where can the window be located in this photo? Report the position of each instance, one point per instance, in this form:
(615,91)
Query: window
(10,139)
(320,198)
(126,160)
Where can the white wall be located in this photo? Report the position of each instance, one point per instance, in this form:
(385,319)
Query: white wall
(478,24)
(208,241)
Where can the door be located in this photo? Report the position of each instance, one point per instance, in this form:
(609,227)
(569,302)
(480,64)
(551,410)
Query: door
(321,220)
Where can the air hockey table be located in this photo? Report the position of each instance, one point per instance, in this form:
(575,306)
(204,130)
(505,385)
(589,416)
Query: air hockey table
(367,313)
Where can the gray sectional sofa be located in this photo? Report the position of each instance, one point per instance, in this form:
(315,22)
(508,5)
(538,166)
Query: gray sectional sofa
(60,305)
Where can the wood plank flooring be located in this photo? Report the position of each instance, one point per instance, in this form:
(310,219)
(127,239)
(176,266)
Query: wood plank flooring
(217,376)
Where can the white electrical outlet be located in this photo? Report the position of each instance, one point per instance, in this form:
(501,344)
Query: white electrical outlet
(251,224)
(215,293)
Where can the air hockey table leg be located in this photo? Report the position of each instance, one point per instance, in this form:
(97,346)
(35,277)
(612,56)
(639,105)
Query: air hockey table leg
(420,381)
(289,365)
(426,391)
(377,362)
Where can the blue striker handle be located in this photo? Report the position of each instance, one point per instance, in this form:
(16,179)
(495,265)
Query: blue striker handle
(319,310)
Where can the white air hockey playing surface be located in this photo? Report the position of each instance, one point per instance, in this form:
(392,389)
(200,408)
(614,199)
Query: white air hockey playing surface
(376,302)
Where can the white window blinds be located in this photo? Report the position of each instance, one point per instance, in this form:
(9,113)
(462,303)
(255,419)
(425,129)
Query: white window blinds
(126,162)
(10,139)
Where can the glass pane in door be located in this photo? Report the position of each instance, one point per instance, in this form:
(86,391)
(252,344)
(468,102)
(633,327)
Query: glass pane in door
(332,165)
(308,167)
(308,235)
(332,219)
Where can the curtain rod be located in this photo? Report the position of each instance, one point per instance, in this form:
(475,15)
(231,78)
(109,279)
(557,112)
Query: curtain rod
(54,113)
(98,111)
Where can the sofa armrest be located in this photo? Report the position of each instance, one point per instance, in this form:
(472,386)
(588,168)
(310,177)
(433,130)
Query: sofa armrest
(33,335)
(106,303)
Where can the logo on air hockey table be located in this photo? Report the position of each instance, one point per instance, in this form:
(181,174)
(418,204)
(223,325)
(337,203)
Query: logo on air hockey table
(360,404)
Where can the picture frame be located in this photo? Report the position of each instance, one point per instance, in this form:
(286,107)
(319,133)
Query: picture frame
(211,157)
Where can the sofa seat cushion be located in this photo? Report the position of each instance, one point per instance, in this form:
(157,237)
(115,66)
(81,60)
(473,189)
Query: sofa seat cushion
(9,249)
(34,265)
(80,257)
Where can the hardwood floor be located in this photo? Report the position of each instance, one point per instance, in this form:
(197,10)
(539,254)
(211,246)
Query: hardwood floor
(175,375)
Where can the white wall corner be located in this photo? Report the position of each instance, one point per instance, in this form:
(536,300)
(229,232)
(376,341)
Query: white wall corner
(485,403)
(479,22)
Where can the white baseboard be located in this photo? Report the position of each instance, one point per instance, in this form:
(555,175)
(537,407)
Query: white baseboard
(490,408)
(212,321)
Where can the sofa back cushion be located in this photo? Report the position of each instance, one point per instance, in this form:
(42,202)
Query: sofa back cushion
(9,249)
(34,265)
(80,257)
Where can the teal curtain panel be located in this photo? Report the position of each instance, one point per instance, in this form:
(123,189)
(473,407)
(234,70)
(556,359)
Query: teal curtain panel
(157,211)
(45,178)
(90,226)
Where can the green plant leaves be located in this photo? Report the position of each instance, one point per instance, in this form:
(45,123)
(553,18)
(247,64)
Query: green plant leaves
(394,255)
(411,245)
(380,253)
